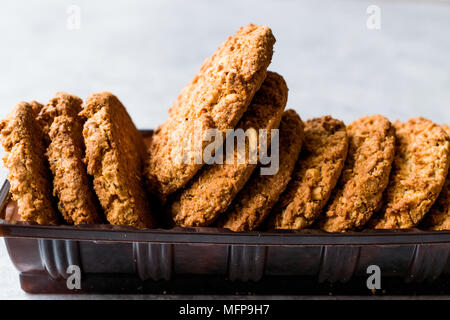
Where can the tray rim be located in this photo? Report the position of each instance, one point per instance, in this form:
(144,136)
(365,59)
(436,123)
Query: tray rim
(212,235)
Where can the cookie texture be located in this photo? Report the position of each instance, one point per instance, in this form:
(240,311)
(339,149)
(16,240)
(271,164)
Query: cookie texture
(217,98)
(261,192)
(439,216)
(22,139)
(365,175)
(420,168)
(115,154)
(315,176)
(212,190)
(37,107)
(62,128)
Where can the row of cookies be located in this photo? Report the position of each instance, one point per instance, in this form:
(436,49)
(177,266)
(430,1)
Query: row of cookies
(342,172)
(90,155)
(111,152)
(330,175)
(232,90)
(370,174)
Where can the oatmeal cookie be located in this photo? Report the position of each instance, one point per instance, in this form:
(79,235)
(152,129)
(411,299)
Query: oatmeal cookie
(420,168)
(62,128)
(439,216)
(115,154)
(211,191)
(365,175)
(22,139)
(261,192)
(37,107)
(217,98)
(315,175)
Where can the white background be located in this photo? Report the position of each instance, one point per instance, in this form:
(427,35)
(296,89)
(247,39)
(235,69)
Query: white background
(146,51)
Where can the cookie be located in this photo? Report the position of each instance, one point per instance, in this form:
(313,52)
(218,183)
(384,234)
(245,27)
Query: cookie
(364,177)
(419,171)
(212,190)
(115,155)
(217,98)
(22,139)
(315,175)
(62,128)
(439,216)
(261,192)
(37,107)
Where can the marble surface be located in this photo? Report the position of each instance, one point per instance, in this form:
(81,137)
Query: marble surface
(146,51)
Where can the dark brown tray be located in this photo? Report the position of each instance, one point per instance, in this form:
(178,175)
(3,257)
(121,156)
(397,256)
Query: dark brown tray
(211,260)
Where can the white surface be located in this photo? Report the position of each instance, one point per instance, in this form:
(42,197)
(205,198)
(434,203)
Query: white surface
(146,51)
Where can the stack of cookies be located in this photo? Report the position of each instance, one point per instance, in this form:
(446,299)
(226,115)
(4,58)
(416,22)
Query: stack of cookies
(91,156)
(86,163)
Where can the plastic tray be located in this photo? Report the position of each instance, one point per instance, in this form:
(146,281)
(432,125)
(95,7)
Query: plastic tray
(210,260)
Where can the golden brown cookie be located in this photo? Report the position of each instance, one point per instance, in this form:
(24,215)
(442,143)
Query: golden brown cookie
(364,177)
(36,106)
(261,192)
(439,216)
(211,191)
(62,128)
(115,154)
(419,171)
(316,174)
(217,97)
(22,139)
